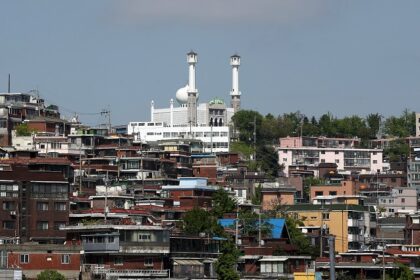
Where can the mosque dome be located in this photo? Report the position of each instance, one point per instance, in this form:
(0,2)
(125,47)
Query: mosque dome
(182,95)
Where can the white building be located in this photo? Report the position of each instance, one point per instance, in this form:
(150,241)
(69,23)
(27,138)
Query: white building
(208,122)
(343,154)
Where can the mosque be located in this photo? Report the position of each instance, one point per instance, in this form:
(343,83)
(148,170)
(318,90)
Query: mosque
(208,122)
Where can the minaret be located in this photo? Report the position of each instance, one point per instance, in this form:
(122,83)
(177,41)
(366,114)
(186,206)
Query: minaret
(192,91)
(235,61)
(152,110)
(171,106)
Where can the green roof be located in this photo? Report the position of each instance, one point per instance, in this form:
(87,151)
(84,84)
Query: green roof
(217,101)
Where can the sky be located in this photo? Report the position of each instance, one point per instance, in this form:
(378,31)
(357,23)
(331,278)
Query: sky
(316,56)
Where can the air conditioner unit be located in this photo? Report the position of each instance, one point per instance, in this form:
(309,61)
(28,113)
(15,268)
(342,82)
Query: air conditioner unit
(13,213)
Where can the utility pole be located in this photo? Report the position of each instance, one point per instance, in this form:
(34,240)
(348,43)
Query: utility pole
(321,233)
(211,138)
(8,85)
(106,198)
(331,241)
(80,168)
(107,114)
(255,137)
(236,226)
(259,228)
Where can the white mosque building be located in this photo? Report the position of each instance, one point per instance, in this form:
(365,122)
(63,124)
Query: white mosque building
(208,122)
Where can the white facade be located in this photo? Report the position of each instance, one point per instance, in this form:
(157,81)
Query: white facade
(218,136)
(363,160)
(178,116)
(401,200)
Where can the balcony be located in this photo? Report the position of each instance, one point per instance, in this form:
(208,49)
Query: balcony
(144,247)
(355,223)
(101,243)
(138,273)
(355,238)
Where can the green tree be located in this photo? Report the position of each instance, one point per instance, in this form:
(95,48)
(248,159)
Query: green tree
(250,224)
(243,122)
(267,160)
(402,126)
(23,130)
(402,273)
(222,203)
(226,263)
(198,221)
(398,150)
(289,124)
(374,123)
(50,275)
(327,126)
(256,198)
(298,238)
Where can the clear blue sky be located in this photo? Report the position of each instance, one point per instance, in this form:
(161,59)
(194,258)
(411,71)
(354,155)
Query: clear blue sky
(345,57)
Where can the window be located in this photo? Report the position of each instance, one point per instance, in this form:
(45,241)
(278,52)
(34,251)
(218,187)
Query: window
(336,152)
(322,160)
(42,206)
(8,225)
(333,193)
(58,225)
(319,193)
(43,225)
(325,216)
(337,161)
(375,161)
(148,262)
(322,152)
(24,258)
(118,260)
(8,205)
(144,237)
(60,206)
(402,200)
(285,159)
(65,259)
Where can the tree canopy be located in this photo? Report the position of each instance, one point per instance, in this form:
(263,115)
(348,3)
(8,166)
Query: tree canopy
(268,130)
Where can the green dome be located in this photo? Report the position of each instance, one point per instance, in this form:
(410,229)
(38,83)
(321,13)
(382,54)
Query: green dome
(217,101)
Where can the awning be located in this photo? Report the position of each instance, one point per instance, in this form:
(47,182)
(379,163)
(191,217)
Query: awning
(274,259)
(187,262)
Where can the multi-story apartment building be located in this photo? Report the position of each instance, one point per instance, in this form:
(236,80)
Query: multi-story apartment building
(413,164)
(350,223)
(135,251)
(34,204)
(309,152)
(17,107)
(214,138)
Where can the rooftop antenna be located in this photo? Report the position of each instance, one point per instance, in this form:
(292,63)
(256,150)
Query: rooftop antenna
(8,85)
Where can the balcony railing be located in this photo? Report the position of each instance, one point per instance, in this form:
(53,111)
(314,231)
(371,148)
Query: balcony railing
(106,270)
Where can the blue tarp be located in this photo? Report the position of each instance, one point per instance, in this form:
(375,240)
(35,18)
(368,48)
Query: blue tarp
(276,230)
